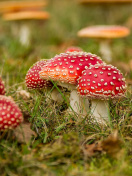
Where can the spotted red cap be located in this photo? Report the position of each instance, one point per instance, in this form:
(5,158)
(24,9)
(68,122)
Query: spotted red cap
(102,81)
(10,114)
(67,67)
(33,80)
(2,87)
(73,48)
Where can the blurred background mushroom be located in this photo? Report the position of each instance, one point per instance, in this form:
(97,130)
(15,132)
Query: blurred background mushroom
(20,13)
(15,6)
(104,33)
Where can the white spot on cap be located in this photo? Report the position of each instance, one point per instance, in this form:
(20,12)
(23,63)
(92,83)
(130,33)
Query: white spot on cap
(111,83)
(117,88)
(99,84)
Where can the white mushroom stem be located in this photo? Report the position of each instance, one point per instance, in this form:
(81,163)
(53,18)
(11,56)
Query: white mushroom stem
(56,96)
(105,50)
(21,30)
(24,34)
(100,111)
(77,104)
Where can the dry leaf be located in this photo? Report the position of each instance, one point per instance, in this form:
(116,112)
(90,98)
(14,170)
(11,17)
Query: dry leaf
(91,149)
(23,93)
(24,133)
(112,145)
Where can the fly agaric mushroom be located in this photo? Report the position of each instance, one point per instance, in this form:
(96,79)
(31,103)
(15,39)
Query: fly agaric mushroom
(104,33)
(33,80)
(66,69)
(2,87)
(101,82)
(10,114)
(21,25)
(73,48)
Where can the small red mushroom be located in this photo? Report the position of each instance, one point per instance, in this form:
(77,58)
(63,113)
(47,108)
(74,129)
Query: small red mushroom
(10,114)
(66,69)
(73,48)
(2,87)
(101,82)
(33,80)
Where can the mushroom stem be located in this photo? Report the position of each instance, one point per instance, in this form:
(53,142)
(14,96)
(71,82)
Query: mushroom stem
(24,34)
(99,111)
(105,50)
(77,104)
(56,96)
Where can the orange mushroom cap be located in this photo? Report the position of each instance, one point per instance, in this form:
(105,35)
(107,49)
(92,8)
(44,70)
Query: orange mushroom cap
(12,6)
(104,31)
(26,15)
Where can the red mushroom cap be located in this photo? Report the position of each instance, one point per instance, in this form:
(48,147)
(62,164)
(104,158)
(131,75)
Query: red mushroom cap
(67,67)
(10,114)
(102,81)
(33,80)
(73,48)
(2,87)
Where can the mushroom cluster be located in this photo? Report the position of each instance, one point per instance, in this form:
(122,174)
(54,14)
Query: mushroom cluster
(65,69)
(86,76)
